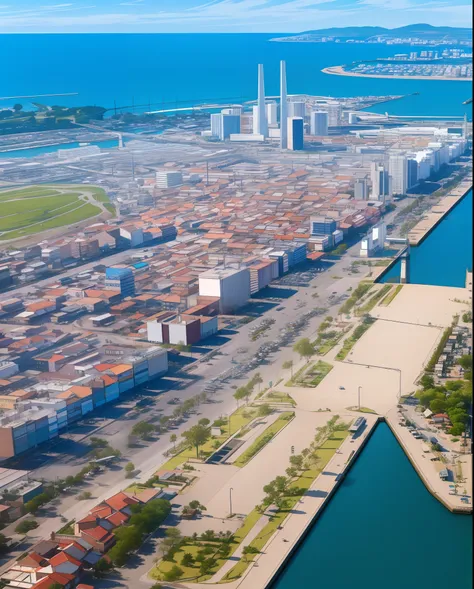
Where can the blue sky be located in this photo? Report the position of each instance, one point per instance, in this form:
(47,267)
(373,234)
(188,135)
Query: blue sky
(19,16)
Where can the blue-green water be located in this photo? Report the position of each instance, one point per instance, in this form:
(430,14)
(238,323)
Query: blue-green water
(383,530)
(162,69)
(34,151)
(444,256)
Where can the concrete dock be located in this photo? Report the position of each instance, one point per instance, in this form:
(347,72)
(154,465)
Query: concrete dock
(438,212)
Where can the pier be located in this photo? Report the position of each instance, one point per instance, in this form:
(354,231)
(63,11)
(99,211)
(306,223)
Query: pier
(438,212)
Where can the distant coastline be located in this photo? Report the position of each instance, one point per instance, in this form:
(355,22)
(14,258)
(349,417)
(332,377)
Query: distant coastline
(338,70)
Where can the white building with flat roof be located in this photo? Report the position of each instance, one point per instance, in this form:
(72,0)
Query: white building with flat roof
(231,285)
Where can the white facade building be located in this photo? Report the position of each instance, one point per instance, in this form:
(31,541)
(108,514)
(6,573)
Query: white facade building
(231,285)
(297,109)
(399,173)
(319,123)
(381,185)
(271,109)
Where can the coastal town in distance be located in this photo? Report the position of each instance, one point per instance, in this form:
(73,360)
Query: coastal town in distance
(207,312)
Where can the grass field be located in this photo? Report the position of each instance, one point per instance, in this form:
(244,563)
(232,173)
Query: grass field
(35,209)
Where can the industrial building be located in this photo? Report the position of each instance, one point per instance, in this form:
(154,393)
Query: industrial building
(167,179)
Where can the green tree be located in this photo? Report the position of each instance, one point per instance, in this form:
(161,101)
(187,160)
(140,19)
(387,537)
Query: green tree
(304,348)
(129,468)
(241,393)
(257,380)
(102,567)
(84,495)
(264,410)
(297,461)
(187,560)
(438,405)
(207,566)
(288,365)
(143,430)
(249,550)
(25,526)
(173,439)
(204,422)
(427,381)
(197,436)
(173,574)
(172,540)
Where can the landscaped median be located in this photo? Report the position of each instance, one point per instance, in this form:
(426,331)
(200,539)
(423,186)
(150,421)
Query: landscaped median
(391,295)
(374,299)
(350,342)
(310,376)
(266,437)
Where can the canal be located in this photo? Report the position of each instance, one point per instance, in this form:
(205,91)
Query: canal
(383,529)
(444,256)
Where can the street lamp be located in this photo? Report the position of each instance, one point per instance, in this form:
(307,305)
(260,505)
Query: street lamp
(230,502)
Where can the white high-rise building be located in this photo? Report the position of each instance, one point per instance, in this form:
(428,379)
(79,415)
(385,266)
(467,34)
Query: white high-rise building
(224,125)
(319,123)
(399,173)
(297,109)
(255,120)
(283,107)
(167,179)
(261,119)
(295,133)
(272,112)
(361,189)
(381,185)
(234,110)
(334,111)
(246,124)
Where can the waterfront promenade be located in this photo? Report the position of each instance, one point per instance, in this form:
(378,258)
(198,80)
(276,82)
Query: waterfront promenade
(438,212)
(283,541)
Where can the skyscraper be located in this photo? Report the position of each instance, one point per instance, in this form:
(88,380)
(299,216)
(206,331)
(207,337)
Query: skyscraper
(319,123)
(381,182)
(262,119)
(223,125)
(283,107)
(295,133)
(398,173)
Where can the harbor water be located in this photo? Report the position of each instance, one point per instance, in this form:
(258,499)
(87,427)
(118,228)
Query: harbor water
(445,254)
(383,529)
(34,151)
(177,70)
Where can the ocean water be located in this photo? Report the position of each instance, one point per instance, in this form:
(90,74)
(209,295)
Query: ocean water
(444,256)
(172,70)
(383,529)
(34,151)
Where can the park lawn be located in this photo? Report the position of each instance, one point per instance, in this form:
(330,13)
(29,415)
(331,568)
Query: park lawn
(391,295)
(350,342)
(264,438)
(237,421)
(307,377)
(81,213)
(188,572)
(304,482)
(370,304)
(27,193)
(279,397)
(19,214)
(110,207)
(329,344)
(359,292)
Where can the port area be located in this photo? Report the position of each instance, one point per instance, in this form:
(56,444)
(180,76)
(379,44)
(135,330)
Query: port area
(338,70)
(438,212)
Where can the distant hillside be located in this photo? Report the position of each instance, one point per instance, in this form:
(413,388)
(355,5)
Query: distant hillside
(420,31)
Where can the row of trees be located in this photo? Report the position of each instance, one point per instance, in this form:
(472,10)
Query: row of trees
(246,391)
(282,487)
